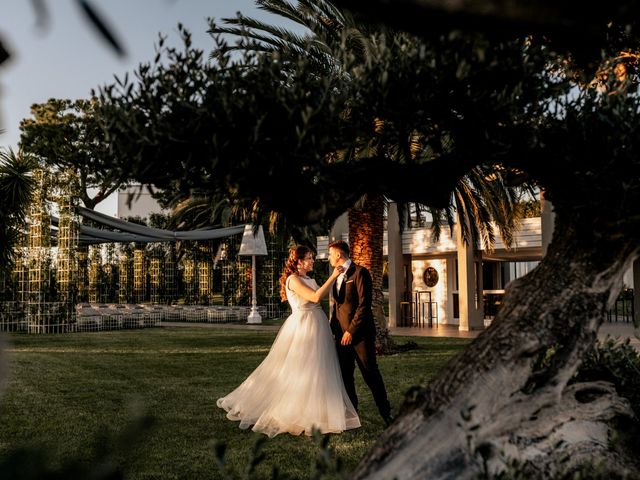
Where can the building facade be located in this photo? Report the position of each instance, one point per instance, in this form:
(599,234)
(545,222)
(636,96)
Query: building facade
(446,282)
(426,278)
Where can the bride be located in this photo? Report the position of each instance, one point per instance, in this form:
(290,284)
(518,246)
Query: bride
(298,385)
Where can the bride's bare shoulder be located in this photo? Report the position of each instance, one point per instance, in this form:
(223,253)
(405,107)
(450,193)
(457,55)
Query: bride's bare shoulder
(296,282)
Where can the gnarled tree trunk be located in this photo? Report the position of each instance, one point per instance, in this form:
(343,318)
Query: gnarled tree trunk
(499,401)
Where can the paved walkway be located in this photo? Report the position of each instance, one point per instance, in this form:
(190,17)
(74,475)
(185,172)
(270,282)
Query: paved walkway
(439,331)
(616,330)
(229,326)
(620,330)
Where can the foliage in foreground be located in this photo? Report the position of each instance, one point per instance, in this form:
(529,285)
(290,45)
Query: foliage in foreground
(615,362)
(35,463)
(326,465)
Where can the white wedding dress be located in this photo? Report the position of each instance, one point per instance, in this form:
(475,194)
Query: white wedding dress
(298,385)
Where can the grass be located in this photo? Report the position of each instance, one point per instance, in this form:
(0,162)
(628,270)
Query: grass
(70,393)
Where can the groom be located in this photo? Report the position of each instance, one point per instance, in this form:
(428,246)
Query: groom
(354,329)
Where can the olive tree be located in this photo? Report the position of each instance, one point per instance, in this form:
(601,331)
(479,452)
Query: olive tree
(511,104)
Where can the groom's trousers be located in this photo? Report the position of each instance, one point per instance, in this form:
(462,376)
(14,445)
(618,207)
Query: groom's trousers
(364,354)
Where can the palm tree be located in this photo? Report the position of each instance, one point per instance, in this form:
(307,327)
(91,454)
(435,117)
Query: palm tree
(334,39)
(16,187)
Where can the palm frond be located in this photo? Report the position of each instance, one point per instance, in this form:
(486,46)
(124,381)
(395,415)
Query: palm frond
(330,33)
(474,219)
(321,18)
(248,27)
(16,190)
(16,182)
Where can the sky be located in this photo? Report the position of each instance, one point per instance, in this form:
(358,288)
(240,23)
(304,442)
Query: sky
(67,58)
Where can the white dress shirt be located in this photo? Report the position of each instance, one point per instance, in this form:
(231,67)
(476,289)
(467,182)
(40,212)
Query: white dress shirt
(340,278)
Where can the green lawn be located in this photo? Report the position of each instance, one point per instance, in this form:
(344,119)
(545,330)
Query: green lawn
(71,393)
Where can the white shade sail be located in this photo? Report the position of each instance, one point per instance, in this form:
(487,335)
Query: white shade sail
(126,232)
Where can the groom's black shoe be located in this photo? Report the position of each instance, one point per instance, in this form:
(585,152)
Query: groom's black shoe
(388,419)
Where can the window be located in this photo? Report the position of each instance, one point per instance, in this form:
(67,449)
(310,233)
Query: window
(513,270)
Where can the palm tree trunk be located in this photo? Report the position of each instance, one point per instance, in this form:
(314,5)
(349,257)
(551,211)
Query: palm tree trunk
(366,230)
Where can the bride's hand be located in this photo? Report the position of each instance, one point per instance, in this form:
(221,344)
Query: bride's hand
(337,271)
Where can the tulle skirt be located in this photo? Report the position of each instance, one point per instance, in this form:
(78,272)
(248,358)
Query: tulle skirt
(298,386)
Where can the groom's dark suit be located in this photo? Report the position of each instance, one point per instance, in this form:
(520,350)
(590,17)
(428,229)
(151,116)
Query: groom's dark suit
(351,312)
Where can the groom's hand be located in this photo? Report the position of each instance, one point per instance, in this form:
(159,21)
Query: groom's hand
(346,339)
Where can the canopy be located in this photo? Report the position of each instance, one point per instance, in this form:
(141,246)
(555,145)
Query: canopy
(132,232)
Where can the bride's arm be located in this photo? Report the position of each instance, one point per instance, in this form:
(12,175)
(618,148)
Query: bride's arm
(299,287)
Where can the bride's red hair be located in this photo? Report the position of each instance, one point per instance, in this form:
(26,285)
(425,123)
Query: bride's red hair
(296,254)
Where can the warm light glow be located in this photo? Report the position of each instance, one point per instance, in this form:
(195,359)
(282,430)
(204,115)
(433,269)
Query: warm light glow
(438,292)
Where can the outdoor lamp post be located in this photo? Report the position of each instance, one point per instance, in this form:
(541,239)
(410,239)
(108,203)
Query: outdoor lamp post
(253,245)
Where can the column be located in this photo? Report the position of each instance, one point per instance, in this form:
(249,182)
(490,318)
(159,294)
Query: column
(636,294)
(479,287)
(395,261)
(139,274)
(340,228)
(470,318)
(547,218)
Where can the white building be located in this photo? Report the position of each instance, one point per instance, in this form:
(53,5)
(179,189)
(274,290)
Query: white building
(428,284)
(445,282)
(136,201)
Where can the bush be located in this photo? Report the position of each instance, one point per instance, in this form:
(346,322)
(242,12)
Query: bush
(615,362)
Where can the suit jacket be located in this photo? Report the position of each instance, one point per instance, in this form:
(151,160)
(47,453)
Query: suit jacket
(350,309)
